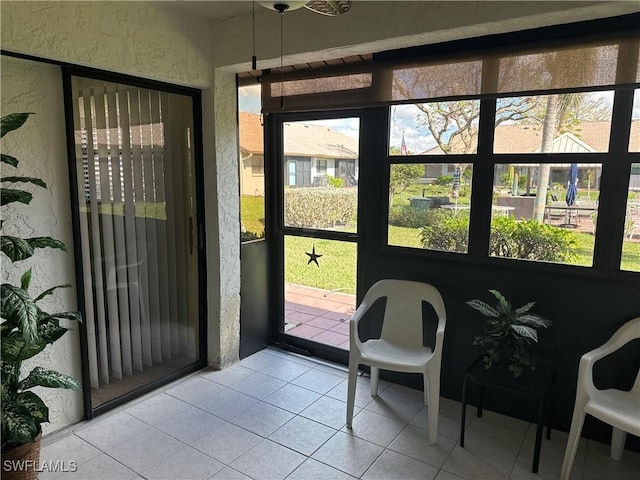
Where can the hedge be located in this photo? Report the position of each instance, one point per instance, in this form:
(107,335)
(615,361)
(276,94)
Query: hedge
(319,207)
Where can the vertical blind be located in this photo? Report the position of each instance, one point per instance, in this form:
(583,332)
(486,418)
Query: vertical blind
(136,210)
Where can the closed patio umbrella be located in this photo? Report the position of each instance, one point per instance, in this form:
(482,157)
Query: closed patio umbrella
(572,193)
(572,187)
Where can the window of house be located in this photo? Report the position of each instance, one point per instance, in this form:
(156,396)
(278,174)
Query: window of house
(321,167)
(257,166)
(634,135)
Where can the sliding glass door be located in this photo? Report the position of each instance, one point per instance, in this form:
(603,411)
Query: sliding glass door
(137,234)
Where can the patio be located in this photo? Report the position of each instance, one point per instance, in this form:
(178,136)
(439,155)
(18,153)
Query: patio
(277,415)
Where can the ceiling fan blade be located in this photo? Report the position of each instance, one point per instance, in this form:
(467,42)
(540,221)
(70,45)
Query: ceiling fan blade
(331,8)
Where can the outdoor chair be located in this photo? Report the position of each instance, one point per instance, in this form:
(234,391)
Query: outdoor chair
(618,408)
(400,346)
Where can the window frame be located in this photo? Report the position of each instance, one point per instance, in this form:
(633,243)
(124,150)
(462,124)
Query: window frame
(616,167)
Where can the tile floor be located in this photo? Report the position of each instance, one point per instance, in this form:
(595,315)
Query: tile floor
(275,415)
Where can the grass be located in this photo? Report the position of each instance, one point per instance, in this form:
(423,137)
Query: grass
(252,213)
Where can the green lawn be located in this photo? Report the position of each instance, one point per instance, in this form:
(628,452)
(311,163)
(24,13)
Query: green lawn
(252,213)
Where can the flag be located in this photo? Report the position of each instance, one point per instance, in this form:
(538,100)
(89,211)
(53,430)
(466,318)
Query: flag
(403,147)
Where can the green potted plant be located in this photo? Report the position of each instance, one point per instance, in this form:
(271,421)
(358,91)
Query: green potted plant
(25,330)
(509,333)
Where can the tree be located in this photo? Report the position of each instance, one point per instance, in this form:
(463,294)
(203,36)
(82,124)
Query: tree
(402,176)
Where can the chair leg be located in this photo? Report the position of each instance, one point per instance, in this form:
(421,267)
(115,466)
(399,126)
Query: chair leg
(375,374)
(572,443)
(618,437)
(432,392)
(351,388)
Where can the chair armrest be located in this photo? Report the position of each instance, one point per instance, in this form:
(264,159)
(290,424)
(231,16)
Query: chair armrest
(439,335)
(354,320)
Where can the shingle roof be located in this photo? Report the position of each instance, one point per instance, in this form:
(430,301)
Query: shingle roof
(301,139)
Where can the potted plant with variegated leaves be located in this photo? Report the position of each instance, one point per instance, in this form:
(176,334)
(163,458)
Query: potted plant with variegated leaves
(509,333)
(25,331)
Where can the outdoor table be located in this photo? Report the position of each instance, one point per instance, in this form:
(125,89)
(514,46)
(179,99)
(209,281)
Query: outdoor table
(538,384)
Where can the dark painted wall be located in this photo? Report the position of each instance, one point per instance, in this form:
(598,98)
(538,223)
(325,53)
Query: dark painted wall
(254,306)
(586,311)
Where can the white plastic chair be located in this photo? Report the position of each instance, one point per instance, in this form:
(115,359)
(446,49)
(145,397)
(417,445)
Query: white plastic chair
(400,345)
(618,408)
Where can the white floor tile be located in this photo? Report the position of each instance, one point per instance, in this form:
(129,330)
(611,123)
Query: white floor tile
(312,469)
(448,422)
(268,461)
(228,473)
(259,361)
(101,467)
(258,385)
(157,409)
(495,439)
(444,475)
(112,430)
(262,419)
(302,435)
(414,442)
(375,428)
(318,381)
(286,370)
(395,466)
(189,424)
(226,443)
(227,404)
(144,450)
(474,463)
(227,376)
(68,449)
(185,463)
(328,411)
(194,390)
(363,391)
(292,398)
(395,406)
(349,454)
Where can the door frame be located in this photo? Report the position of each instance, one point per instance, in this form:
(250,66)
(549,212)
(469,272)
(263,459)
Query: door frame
(372,145)
(196,95)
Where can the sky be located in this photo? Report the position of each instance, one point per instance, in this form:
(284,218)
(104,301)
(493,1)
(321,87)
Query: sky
(403,120)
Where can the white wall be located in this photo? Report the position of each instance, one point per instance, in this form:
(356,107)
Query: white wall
(39,145)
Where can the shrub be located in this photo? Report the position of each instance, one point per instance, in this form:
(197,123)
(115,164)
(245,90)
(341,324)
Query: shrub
(530,240)
(525,239)
(450,234)
(335,182)
(410,217)
(319,207)
(249,236)
(444,180)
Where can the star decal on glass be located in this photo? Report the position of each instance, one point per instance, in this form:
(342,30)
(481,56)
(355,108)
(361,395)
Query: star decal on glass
(313,256)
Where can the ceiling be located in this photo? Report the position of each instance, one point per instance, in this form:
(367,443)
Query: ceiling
(214,10)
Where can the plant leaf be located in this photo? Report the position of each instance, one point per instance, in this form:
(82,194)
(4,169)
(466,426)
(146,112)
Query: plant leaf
(36,181)
(35,405)
(25,280)
(51,290)
(67,315)
(12,121)
(18,426)
(534,320)
(44,242)
(526,332)
(506,306)
(525,308)
(19,309)
(48,378)
(15,248)
(10,195)
(13,161)
(483,308)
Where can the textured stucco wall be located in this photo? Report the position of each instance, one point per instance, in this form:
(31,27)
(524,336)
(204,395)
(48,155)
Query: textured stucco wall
(374,26)
(39,146)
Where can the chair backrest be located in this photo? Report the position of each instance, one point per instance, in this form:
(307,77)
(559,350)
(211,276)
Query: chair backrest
(402,323)
(626,333)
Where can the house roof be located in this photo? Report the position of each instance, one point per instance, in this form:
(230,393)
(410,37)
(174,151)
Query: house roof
(300,139)
(587,137)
